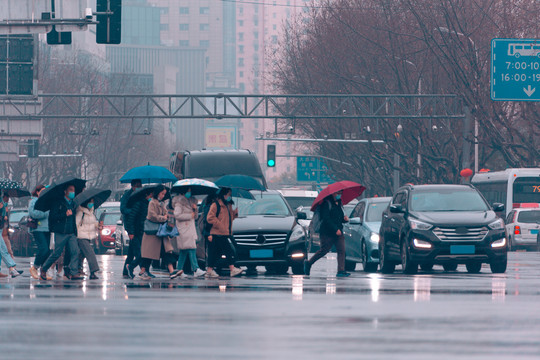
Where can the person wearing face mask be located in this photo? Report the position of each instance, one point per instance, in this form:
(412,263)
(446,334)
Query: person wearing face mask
(135,225)
(151,244)
(87,231)
(62,224)
(221,231)
(40,233)
(331,233)
(126,213)
(185,213)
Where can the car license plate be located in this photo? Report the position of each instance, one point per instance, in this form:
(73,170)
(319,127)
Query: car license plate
(534,232)
(261,254)
(462,249)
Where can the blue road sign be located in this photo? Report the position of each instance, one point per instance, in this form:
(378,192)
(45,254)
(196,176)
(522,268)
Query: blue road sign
(515,69)
(311,169)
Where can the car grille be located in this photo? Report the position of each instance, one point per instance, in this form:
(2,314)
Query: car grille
(461,233)
(260,239)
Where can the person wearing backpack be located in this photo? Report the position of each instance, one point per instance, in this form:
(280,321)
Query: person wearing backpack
(221,216)
(331,232)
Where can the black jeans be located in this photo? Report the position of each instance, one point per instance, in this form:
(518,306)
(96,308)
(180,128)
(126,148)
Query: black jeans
(43,242)
(168,258)
(133,258)
(62,241)
(217,247)
(326,245)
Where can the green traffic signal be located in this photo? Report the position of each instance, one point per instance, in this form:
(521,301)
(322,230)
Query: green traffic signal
(271,163)
(271,155)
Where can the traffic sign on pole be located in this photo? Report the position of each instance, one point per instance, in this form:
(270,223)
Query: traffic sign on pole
(515,69)
(311,169)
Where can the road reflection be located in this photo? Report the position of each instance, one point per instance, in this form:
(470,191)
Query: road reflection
(297,287)
(375,285)
(422,288)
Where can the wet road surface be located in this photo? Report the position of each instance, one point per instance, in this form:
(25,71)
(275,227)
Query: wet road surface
(443,315)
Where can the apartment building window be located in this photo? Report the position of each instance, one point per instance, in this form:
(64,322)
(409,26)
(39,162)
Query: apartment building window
(240,22)
(184,11)
(241,10)
(241,36)
(241,61)
(242,87)
(163,27)
(204,10)
(204,27)
(256,22)
(241,74)
(204,43)
(274,15)
(256,34)
(274,27)
(183,27)
(256,46)
(164,10)
(274,39)
(184,43)
(241,49)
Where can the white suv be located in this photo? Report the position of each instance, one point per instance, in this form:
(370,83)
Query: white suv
(523,228)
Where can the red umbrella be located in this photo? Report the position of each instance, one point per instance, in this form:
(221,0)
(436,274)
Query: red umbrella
(351,190)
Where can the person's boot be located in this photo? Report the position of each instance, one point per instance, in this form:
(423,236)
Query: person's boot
(34,272)
(307,267)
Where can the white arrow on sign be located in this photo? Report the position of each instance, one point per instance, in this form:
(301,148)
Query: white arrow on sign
(529,91)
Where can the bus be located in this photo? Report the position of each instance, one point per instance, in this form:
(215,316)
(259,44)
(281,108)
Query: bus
(514,188)
(523,49)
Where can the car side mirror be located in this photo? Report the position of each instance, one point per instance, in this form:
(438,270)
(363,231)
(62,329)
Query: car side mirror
(301,215)
(498,207)
(355,221)
(397,209)
(119,222)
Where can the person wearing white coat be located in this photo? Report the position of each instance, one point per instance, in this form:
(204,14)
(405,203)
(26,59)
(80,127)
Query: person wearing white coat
(185,213)
(87,232)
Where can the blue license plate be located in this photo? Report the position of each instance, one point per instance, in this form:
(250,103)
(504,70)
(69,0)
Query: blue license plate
(534,232)
(462,249)
(261,254)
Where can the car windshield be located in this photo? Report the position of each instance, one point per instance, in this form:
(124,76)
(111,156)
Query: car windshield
(306,210)
(529,216)
(16,216)
(263,204)
(296,201)
(447,200)
(375,210)
(111,218)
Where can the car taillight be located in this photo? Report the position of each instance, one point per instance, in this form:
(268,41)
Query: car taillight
(517,230)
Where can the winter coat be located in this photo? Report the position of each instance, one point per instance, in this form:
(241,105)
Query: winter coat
(134,221)
(87,223)
(221,225)
(42,217)
(151,244)
(332,217)
(59,222)
(185,222)
(124,210)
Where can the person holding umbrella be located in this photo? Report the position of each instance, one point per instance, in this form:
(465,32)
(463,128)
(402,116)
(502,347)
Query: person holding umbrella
(41,234)
(62,223)
(221,231)
(330,204)
(126,211)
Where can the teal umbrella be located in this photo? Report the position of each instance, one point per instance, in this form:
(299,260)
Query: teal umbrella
(149,174)
(237,181)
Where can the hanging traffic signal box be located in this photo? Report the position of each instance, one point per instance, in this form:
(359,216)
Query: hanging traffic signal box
(271,155)
(109,29)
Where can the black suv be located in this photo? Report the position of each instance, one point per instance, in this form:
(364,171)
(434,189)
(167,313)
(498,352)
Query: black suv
(441,224)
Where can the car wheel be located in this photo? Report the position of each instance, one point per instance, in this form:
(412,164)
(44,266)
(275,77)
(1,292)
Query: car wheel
(510,245)
(474,267)
(350,265)
(427,267)
(450,266)
(297,269)
(386,266)
(367,266)
(498,267)
(409,267)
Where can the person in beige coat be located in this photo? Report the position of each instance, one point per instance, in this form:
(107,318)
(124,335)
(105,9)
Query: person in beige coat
(87,233)
(185,213)
(218,241)
(151,244)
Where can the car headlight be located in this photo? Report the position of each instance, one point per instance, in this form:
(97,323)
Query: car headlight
(497,225)
(106,232)
(297,234)
(419,225)
(11,230)
(499,243)
(374,237)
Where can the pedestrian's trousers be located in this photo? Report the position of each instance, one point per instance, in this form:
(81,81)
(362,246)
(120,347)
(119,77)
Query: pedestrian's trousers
(326,245)
(4,254)
(60,242)
(217,247)
(42,240)
(85,246)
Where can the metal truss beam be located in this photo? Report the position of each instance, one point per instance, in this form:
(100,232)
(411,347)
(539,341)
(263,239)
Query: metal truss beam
(221,106)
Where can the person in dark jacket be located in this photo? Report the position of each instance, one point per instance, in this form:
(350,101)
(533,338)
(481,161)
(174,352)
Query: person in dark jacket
(126,212)
(135,227)
(62,225)
(331,233)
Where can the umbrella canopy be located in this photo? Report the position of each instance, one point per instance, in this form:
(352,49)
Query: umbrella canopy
(13,188)
(99,196)
(241,193)
(197,186)
(141,194)
(237,181)
(149,174)
(351,190)
(56,191)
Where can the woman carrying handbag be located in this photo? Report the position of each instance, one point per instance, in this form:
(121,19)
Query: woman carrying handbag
(151,242)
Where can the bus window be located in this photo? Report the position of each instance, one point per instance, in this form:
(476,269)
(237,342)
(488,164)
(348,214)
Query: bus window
(526,190)
(493,192)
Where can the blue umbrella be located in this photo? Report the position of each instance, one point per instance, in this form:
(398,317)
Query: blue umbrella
(149,174)
(197,186)
(238,181)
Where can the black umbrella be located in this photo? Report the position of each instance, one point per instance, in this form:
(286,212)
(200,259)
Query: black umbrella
(56,191)
(13,188)
(99,196)
(141,194)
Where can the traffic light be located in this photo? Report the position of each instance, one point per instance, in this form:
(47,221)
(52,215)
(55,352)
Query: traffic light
(109,29)
(271,155)
(33,148)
